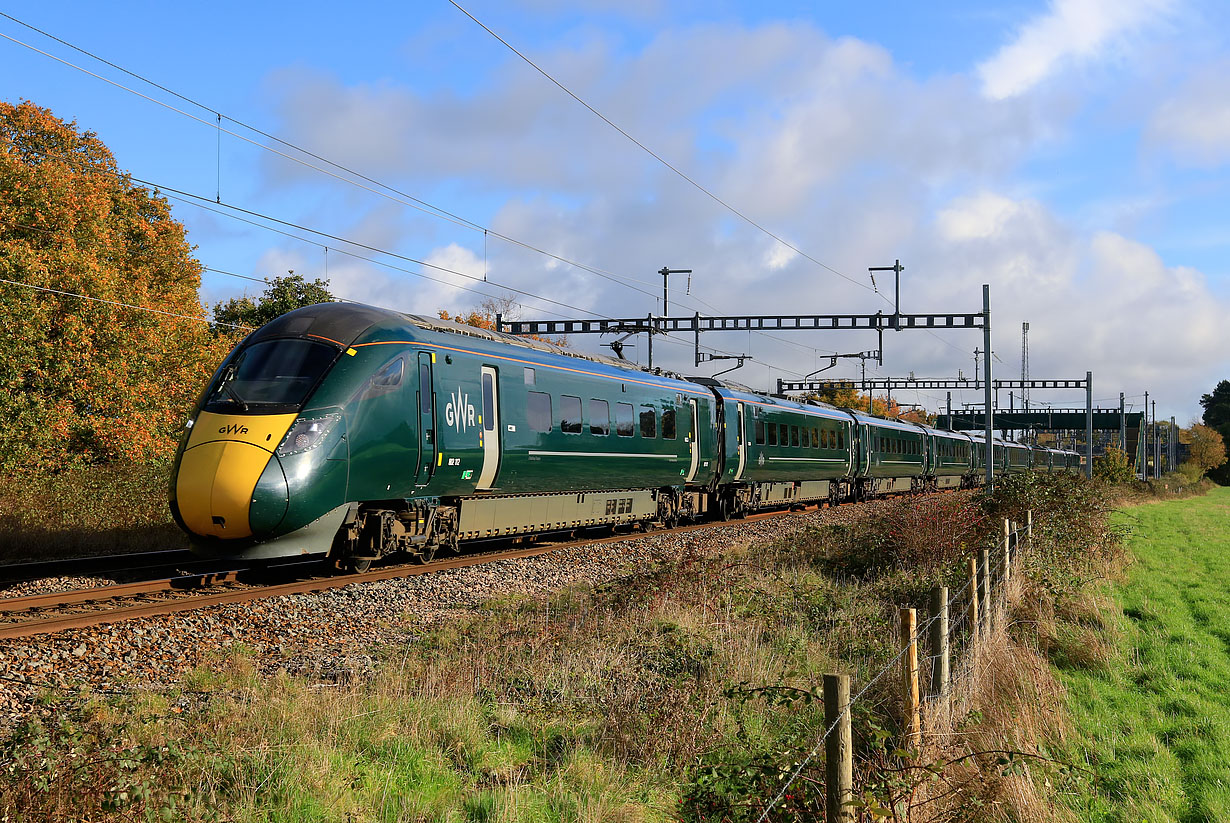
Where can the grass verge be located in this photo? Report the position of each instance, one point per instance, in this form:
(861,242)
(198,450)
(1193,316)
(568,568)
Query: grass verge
(1147,668)
(686,691)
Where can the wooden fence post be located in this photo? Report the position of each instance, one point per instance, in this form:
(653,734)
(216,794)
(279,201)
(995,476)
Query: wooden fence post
(909,680)
(974,612)
(938,644)
(984,594)
(838,749)
(1009,543)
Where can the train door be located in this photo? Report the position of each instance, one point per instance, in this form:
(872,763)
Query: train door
(864,449)
(490,428)
(742,429)
(692,441)
(427,420)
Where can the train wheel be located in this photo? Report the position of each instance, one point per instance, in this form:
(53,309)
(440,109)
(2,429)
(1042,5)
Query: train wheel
(723,508)
(358,565)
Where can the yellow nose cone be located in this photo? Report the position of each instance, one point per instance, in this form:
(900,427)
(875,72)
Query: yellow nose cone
(219,469)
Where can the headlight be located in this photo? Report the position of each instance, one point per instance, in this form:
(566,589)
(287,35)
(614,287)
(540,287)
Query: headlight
(306,434)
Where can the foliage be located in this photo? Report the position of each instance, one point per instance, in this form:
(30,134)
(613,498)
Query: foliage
(82,380)
(115,507)
(1113,466)
(282,294)
(1216,406)
(1208,449)
(852,398)
(923,534)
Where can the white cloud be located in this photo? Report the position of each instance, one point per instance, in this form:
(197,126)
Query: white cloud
(789,126)
(1070,31)
(1194,125)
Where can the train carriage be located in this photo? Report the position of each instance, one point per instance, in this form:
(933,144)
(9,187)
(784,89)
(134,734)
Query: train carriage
(952,464)
(891,456)
(783,452)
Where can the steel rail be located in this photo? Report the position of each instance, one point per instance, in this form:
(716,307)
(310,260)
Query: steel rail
(29,602)
(77,566)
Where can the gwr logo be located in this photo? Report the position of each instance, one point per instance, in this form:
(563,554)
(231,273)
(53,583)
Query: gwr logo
(459,413)
(233,428)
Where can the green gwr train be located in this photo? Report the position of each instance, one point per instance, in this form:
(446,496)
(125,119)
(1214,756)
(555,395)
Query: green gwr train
(356,432)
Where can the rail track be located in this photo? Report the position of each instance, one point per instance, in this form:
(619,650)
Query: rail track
(103,565)
(36,614)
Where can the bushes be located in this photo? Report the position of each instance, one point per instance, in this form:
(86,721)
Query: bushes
(103,509)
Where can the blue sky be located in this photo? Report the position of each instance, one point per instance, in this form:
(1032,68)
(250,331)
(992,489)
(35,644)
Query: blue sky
(1073,154)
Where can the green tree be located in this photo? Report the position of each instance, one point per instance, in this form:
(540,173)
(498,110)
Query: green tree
(82,380)
(283,294)
(1217,415)
(1217,406)
(1113,466)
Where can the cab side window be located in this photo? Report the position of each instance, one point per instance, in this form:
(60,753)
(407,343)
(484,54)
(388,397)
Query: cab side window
(759,432)
(387,379)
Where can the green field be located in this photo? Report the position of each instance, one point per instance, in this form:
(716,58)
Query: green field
(1150,712)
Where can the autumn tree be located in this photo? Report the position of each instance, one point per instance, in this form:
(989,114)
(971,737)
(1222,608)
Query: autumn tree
(90,380)
(483,317)
(1207,450)
(282,294)
(852,398)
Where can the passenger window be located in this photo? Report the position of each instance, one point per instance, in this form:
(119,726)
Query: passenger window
(815,438)
(529,376)
(841,440)
(668,424)
(649,422)
(759,432)
(623,419)
(488,403)
(599,417)
(794,435)
(538,410)
(569,414)
(772,434)
(785,435)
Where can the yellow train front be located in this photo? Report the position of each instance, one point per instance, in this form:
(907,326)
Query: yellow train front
(261,470)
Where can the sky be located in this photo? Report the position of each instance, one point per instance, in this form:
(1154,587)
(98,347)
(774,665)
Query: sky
(1074,155)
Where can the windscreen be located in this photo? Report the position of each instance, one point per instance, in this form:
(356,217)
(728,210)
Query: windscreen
(270,377)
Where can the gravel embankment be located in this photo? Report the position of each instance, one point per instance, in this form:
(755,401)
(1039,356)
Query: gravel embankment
(329,635)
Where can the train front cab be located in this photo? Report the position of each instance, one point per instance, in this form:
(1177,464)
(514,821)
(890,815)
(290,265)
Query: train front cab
(261,470)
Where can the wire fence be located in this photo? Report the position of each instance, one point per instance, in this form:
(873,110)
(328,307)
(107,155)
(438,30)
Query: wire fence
(963,620)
